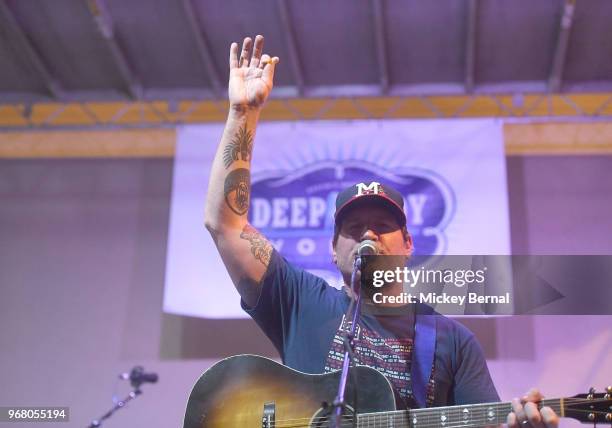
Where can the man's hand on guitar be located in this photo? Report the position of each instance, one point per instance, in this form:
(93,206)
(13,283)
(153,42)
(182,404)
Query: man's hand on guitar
(525,412)
(251,74)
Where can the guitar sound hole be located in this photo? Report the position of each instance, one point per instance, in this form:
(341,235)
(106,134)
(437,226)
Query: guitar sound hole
(322,418)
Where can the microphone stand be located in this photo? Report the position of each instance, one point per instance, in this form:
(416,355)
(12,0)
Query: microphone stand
(120,404)
(136,377)
(353,312)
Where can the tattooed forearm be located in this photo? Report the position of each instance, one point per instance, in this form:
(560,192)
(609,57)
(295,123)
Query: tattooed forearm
(237,190)
(260,247)
(241,147)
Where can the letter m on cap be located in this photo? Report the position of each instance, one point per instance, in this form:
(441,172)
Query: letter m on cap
(373,188)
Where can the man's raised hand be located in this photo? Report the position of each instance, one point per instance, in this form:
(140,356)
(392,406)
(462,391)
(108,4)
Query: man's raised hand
(251,74)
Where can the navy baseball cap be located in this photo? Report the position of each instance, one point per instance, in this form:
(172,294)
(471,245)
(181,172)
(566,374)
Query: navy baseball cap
(375,192)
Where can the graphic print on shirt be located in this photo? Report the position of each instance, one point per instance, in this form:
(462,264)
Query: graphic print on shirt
(390,355)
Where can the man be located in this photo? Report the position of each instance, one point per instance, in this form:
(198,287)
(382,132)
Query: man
(299,312)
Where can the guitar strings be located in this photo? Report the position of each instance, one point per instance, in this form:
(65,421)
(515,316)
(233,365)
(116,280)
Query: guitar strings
(425,414)
(348,422)
(568,402)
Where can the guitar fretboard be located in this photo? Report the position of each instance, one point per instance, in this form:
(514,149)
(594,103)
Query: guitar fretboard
(466,416)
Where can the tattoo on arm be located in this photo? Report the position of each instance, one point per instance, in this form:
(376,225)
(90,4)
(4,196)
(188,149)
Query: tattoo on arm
(260,247)
(241,147)
(237,190)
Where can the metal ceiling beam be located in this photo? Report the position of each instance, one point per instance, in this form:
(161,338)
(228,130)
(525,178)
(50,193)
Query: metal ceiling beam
(470,45)
(556,73)
(381,45)
(292,50)
(323,91)
(156,114)
(103,20)
(203,47)
(52,85)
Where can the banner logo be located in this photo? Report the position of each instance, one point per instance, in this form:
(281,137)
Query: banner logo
(295,211)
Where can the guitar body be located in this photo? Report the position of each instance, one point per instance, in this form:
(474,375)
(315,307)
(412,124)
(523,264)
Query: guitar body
(234,392)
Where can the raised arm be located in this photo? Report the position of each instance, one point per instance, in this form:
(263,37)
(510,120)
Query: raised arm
(245,252)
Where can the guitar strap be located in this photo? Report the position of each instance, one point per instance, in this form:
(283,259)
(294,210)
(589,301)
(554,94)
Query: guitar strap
(423,356)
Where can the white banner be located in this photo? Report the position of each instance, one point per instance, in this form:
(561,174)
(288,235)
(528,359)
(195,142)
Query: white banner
(452,174)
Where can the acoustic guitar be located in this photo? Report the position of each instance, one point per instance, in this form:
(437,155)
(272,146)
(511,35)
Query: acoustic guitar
(248,391)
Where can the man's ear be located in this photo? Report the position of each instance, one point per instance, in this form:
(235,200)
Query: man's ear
(334,255)
(408,245)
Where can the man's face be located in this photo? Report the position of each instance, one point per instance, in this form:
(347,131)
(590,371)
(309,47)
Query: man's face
(369,221)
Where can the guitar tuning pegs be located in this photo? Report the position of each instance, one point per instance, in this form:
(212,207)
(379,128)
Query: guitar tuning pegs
(591,392)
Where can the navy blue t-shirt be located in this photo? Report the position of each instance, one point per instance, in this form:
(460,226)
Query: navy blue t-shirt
(303,316)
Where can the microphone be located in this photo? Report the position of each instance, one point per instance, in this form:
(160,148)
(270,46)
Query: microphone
(367,248)
(138,376)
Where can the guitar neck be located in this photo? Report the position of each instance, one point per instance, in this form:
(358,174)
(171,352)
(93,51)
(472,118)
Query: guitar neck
(466,416)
